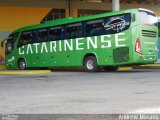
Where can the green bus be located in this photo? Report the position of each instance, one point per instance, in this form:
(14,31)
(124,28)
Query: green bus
(158,61)
(108,40)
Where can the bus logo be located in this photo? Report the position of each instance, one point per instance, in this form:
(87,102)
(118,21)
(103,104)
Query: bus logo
(116,24)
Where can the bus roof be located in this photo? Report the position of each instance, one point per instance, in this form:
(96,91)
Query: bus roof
(69,20)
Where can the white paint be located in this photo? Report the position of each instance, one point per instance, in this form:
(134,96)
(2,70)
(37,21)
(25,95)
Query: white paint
(68,44)
(53,47)
(29,49)
(60,46)
(79,44)
(21,50)
(103,42)
(36,46)
(118,40)
(44,48)
(91,42)
(104,39)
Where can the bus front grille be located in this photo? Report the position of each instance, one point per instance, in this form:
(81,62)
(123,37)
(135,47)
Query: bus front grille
(148,33)
(121,54)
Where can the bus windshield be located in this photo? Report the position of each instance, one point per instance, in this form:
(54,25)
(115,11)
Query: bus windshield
(10,43)
(147,18)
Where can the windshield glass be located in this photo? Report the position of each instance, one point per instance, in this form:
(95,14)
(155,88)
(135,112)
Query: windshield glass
(147,18)
(10,43)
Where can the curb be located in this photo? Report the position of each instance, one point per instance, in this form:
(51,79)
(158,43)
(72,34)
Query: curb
(24,72)
(124,68)
(2,67)
(80,69)
(149,66)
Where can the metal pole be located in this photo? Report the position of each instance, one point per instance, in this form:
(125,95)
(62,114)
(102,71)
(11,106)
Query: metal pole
(115,5)
(69,7)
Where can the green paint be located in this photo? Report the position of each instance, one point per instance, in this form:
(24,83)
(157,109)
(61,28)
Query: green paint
(111,49)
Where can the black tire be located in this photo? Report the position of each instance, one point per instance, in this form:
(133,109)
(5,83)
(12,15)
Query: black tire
(90,64)
(110,69)
(22,64)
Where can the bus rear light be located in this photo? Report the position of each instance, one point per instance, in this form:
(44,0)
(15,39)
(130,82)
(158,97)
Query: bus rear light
(138,48)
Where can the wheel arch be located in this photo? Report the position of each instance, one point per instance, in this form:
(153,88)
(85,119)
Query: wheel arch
(21,58)
(90,54)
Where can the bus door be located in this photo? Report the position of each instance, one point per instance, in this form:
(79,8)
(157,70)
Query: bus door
(9,50)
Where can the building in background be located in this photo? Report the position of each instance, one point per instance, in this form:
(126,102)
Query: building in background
(2,51)
(17,13)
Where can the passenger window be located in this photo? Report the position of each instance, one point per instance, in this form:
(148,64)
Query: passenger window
(94,27)
(35,36)
(26,38)
(56,33)
(42,35)
(73,31)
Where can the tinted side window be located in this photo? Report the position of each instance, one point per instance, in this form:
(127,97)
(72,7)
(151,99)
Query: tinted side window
(56,33)
(35,36)
(118,23)
(26,38)
(73,31)
(42,35)
(94,27)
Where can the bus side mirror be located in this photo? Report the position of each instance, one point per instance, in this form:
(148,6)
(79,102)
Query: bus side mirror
(3,42)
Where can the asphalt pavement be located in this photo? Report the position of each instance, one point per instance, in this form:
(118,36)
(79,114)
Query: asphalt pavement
(68,92)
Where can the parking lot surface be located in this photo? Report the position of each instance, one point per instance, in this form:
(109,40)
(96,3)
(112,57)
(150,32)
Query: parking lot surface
(133,91)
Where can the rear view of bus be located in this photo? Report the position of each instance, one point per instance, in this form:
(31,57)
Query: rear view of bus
(145,38)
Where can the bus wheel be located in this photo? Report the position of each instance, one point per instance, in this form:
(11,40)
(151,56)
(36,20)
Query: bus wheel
(90,64)
(22,64)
